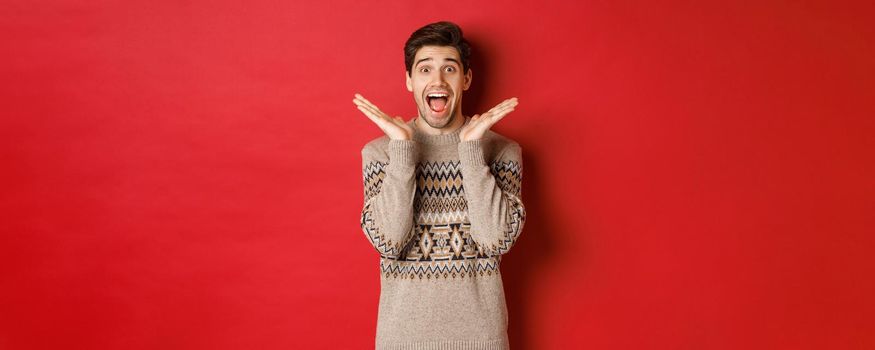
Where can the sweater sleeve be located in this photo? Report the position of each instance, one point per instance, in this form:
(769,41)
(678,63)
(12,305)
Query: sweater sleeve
(389,190)
(493,191)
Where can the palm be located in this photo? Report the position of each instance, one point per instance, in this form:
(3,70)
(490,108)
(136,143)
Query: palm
(394,127)
(479,124)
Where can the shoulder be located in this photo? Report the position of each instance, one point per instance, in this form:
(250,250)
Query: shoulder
(500,147)
(376,149)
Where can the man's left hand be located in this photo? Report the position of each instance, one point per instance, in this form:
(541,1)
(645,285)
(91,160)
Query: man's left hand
(478,124)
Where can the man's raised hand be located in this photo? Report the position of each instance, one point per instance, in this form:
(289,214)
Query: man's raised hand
(395,127)
(478,124)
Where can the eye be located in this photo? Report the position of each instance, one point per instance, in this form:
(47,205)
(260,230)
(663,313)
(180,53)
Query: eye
(451,69)
(424,70)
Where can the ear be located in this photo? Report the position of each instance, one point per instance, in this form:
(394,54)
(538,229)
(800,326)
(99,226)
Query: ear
(468,77)
(407,81)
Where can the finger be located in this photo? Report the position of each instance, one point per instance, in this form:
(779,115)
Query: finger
(367,112)
(503,113)
(399,121)
(365,101)
(372,116)
(376,112)
(499,110)
(502,106)
(362,102)
(509,102)
(505,109)
(494,117)
(359,100)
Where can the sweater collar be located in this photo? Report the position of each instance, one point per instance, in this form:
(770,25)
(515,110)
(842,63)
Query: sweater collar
(444,139)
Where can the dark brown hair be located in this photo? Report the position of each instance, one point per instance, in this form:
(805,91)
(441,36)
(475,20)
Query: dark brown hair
(438,34)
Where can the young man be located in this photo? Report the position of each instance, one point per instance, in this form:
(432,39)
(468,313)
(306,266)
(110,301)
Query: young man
(441,205)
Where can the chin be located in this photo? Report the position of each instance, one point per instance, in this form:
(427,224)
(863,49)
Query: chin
(438,123)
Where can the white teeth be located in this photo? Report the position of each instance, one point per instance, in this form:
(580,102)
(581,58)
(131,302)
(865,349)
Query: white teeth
(437,94)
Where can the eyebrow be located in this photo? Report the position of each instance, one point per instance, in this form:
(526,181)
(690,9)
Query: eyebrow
(429,58)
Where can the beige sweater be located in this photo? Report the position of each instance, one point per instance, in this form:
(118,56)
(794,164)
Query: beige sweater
(441,213)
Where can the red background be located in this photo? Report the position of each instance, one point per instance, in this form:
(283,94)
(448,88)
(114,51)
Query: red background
(187,175)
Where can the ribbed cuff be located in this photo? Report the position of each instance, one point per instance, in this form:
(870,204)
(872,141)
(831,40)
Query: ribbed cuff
(501,344)
(402,152)
(471,152)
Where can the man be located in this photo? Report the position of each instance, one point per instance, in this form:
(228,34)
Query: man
(441,205)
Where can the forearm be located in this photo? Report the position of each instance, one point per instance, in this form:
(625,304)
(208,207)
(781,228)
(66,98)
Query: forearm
(495,209)
(387,216)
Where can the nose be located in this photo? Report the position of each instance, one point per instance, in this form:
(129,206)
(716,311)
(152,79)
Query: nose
(440,78)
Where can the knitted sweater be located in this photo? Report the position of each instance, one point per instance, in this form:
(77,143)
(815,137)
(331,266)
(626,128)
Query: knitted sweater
(441,212)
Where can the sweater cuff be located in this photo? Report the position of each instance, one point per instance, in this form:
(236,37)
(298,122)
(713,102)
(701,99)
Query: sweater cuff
(471,152)
(402,152)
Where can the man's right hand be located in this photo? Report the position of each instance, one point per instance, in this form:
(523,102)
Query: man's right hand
(395,127)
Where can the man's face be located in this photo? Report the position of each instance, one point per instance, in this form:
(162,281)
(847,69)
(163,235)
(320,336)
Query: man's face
(437,72)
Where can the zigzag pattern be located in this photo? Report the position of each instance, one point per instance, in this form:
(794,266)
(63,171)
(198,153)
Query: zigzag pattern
(437,218)
(383,245)
(440,204)
(441,244)
(515,219)
(373,175)
(440,269)
(508,175)
(439,179)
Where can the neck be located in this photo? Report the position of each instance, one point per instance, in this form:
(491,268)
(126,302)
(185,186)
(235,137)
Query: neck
(423,127)
(445,136)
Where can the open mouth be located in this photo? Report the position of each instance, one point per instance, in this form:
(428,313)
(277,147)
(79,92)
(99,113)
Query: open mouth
(437,101)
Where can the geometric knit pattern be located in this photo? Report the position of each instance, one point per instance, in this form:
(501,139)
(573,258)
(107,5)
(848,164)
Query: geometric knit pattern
(440,269)
(441,245)
(508,177)
(373,175)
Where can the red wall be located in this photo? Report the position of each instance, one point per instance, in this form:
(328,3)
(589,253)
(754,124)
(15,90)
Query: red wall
(186,175)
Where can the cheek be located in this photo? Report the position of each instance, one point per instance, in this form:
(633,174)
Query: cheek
(458,83)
